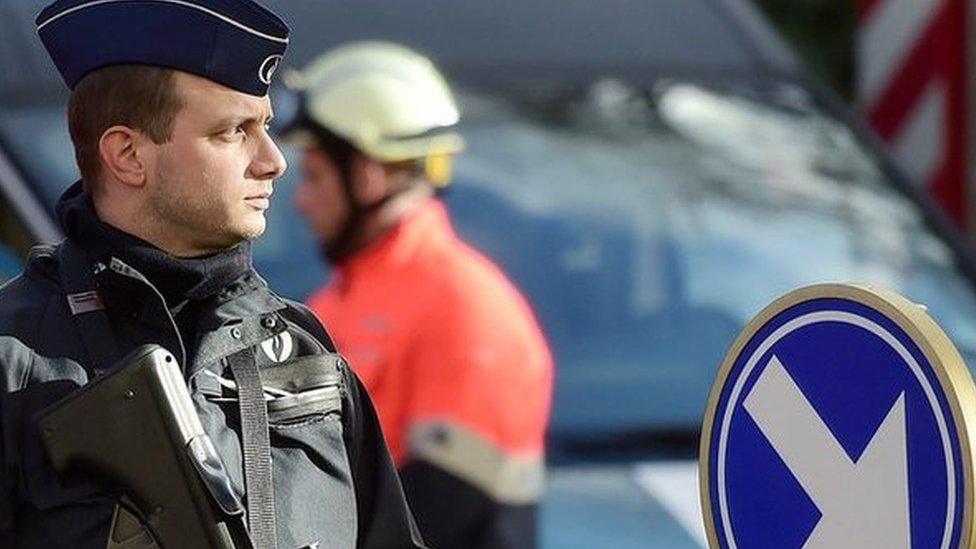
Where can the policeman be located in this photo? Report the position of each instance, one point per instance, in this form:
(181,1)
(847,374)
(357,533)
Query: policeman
(168,115)
(447,347)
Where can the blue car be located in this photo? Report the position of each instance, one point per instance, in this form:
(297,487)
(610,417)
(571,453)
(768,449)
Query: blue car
(651,173)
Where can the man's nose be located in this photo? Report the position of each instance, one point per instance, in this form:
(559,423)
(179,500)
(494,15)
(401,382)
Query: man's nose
(269,162)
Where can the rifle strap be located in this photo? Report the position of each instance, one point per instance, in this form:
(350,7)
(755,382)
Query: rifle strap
(257,449)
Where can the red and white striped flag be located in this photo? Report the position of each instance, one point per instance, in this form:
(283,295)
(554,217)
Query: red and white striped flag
(911,83)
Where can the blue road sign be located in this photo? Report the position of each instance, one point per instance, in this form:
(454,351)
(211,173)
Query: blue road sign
(835,422)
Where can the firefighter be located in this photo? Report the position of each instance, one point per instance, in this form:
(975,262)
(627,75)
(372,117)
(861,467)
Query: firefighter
(447,347)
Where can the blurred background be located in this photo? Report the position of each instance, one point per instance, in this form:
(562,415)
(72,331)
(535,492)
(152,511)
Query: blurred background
(651,173)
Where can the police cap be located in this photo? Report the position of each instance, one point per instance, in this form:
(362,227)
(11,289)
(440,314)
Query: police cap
(236,43)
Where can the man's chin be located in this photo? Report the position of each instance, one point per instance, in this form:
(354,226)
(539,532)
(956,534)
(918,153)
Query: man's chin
(254,233)
(254,227)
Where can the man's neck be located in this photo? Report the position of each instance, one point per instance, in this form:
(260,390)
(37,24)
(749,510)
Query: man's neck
(123,219)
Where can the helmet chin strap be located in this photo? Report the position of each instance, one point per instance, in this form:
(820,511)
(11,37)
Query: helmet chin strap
(349,241)
(341,152)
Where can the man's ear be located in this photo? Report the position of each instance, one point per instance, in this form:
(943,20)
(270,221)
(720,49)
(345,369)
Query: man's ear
(123,157)
(370,180)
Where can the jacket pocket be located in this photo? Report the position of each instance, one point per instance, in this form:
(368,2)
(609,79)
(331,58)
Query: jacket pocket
(304,389)
(304,373)
(314,495)
(308,405)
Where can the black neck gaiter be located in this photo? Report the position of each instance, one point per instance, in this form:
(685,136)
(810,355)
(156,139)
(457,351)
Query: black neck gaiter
(177,279)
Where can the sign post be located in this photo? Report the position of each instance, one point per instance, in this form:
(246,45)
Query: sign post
(841,417)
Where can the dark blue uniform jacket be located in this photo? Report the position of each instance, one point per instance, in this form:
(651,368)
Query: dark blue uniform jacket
(334,482)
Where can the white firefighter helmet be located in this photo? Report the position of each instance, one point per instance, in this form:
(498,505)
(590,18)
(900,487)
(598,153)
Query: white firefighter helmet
(389,101)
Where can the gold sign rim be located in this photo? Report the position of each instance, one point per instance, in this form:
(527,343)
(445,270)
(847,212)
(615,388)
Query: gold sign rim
(954,379)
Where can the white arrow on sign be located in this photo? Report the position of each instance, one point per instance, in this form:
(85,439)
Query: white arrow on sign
(863,504)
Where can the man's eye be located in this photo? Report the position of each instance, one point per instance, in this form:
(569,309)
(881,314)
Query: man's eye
(236,132)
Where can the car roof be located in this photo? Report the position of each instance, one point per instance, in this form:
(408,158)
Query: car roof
(504,40)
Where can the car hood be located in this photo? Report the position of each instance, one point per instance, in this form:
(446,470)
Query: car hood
(635,505)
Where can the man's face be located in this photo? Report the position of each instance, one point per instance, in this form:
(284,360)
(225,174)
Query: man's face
(213,180)
(321,198)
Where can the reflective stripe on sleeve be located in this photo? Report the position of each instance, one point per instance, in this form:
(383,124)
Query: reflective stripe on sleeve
(510,479)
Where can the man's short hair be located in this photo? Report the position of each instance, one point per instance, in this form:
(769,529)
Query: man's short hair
(142,97)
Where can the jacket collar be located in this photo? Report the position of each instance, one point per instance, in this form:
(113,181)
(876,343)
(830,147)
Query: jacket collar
(176,279)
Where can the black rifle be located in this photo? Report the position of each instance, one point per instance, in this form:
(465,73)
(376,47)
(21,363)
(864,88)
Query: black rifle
(137,429)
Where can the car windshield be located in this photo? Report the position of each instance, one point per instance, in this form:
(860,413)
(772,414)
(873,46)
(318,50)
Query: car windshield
(646,225)
(649,225)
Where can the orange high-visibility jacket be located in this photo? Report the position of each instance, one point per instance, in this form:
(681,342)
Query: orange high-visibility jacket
(452,356)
